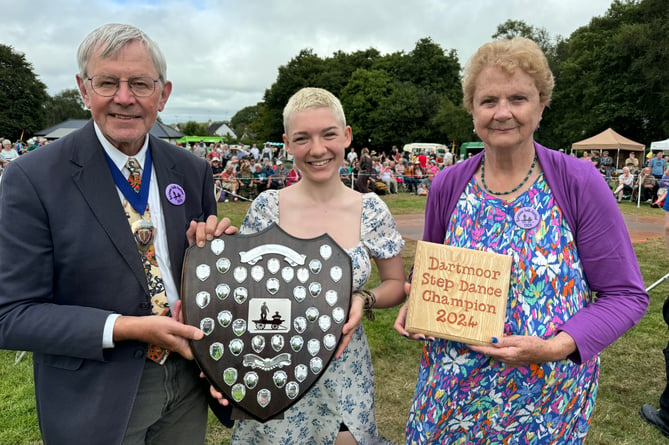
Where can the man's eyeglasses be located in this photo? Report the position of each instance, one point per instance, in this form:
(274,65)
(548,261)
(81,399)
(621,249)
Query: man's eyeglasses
(107,86)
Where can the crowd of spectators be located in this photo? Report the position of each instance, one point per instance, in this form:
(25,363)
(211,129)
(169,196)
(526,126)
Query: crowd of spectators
(644,180)
(11,150)
(390,173)
(242,171)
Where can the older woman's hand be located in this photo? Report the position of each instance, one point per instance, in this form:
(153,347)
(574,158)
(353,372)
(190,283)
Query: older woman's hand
(199,232)
(518,350)
(400,321)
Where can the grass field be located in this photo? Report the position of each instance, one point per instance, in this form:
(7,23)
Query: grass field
(632,371)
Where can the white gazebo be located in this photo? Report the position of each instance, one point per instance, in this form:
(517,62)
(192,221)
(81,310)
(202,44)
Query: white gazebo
(660,145)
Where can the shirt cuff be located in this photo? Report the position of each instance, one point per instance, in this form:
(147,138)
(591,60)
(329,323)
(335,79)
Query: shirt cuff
(108,332)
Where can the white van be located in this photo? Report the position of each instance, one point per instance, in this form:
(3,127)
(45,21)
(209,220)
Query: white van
(438,150)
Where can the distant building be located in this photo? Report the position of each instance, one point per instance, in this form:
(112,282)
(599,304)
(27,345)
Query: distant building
(159,130)
(221,129)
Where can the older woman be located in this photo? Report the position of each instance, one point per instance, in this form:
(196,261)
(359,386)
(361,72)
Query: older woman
(537,383)
(625,184)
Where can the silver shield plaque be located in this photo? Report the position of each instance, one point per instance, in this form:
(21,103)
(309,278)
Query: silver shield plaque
(273,339)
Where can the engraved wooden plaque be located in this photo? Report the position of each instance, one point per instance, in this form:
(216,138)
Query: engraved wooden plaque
(458,294)
(272,308)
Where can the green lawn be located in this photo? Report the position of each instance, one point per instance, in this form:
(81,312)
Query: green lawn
(632,371)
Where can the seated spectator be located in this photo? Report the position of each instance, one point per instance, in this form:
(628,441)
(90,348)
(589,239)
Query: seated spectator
(606,161)
(663,186)
(234,163)
(648,185)
(293,176)
(276,179)
(425,184)
(247,188)
(260,177)
(418,174)
(387,175)
(625,184)
(8,152)
(229,181)
(409,177)
(632,162)
(216,169)
(345,174)
(399,171)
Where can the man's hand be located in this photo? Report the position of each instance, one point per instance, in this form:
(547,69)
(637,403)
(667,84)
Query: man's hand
(199,232)
(165,332)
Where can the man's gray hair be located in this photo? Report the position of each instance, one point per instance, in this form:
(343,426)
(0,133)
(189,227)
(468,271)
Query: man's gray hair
(112,37)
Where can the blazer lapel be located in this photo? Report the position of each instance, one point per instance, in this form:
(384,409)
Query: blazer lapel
(91,175)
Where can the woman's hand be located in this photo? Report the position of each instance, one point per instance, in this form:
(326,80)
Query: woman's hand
(400,321)
(518,350)
(215,394)
(354,319)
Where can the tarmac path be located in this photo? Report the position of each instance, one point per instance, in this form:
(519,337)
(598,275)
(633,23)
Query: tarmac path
(640,228)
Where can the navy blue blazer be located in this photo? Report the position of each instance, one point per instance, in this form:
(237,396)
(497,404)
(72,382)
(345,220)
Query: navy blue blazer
(67,261)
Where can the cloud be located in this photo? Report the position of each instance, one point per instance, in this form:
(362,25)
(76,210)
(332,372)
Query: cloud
(222,55)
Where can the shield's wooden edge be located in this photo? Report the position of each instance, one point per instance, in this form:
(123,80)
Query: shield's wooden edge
(184,297)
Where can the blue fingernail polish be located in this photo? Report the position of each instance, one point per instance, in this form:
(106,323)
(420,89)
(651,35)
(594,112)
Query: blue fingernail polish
(405,335)
(421,338)
(494,340)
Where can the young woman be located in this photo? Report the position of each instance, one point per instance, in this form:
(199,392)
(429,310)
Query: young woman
(339,408)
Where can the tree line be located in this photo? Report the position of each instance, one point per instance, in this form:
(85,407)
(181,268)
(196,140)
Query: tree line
(611,72)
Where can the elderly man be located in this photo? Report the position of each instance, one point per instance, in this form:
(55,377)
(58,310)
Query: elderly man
(90,282)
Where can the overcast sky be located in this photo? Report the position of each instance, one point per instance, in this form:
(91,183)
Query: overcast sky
(223,54)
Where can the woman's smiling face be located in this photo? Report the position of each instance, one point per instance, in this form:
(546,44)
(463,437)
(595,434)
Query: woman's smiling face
(506,108)
(318,142)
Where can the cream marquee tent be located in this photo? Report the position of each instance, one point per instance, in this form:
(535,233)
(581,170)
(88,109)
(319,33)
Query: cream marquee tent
(660,145)
(611,141)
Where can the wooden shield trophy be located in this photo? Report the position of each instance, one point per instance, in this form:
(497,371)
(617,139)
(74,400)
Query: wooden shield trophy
(272,308)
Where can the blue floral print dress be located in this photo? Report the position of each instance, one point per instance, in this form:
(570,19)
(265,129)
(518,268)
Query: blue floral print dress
(463,397)
(345,392)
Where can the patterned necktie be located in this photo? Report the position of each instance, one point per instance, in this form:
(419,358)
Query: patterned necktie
(144,234)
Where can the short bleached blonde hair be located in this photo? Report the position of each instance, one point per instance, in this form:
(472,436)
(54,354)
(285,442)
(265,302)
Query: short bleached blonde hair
(309,99)
(509,55)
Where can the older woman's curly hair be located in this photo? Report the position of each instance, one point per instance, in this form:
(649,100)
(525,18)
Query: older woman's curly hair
(509,55)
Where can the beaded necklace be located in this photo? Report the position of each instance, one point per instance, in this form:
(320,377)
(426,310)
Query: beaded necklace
(485,187)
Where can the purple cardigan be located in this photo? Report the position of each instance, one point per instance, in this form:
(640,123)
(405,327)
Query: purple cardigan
(608,259)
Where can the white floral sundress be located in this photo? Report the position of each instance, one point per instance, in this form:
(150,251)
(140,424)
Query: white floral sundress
(345,392)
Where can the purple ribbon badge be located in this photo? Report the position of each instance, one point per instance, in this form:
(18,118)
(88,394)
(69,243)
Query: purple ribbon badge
(175,194)
(526,218)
